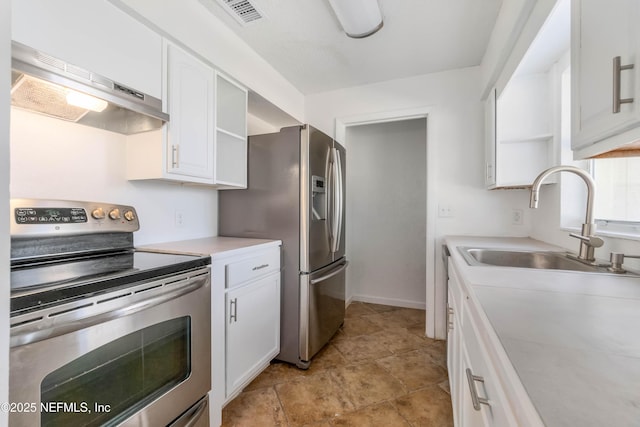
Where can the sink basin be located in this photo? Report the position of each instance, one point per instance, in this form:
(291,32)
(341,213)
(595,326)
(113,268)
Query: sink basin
(528,259)
(522,259)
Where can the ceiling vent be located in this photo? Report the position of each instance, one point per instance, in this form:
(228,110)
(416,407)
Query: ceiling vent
(244,11)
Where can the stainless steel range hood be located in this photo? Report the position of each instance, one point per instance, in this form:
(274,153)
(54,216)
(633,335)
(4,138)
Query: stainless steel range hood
(50,86)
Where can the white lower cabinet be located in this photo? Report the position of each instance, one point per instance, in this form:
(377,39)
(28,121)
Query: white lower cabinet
(245,318)
(252,330)
(484,402)
(453,354)
(485,390)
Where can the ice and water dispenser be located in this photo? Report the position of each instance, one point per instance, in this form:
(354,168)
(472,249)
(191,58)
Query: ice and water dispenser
(319,198)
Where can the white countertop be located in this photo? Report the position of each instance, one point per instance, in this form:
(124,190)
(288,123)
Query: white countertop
(215,246)
(573,338)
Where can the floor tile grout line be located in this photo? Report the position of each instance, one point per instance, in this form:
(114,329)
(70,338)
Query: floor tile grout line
(329,371)
(284,412)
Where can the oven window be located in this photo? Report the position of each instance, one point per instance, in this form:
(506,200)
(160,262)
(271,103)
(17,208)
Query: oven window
(112,382)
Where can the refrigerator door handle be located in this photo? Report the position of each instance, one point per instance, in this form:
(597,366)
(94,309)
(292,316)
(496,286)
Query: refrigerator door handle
(339,199)
(338,270)
(330,201)
(335,211)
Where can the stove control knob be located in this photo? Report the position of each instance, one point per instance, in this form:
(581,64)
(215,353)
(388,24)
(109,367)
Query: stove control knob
(129,216)
(114,214)
(98,213)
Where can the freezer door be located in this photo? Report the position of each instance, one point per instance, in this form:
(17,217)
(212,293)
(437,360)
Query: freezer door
(322,300)
(316,212)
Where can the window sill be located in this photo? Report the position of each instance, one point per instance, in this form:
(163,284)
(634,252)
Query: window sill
(622,232)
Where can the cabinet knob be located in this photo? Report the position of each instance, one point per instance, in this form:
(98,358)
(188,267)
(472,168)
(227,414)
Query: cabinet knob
(114,214)
(129,216)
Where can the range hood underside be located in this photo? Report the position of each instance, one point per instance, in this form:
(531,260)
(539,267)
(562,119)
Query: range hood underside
(40,84)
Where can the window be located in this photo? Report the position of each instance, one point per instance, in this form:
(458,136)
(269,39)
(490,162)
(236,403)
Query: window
(618,193)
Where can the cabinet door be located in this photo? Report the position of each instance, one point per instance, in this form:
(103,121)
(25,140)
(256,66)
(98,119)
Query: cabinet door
(94,35)
(252,330)
(453,356)
(601,31)
(190,132)
(490,139)
(231,133)
(485,382)
(468,415)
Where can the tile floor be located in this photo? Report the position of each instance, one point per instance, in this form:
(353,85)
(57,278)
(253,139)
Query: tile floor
(379,370)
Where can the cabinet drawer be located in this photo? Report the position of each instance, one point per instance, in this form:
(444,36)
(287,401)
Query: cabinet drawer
(252,268)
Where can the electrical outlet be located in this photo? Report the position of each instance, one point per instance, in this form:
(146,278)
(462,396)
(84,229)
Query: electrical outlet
(517,217)
(445,211)
(179,218)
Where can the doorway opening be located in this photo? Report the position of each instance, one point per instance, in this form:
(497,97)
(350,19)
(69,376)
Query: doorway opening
(434,296)
(386,212)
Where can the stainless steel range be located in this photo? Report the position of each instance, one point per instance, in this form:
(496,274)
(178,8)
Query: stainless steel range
(102,333)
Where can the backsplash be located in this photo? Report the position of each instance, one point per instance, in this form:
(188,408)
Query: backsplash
(54,159)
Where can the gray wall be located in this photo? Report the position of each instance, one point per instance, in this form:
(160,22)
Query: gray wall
(386,212)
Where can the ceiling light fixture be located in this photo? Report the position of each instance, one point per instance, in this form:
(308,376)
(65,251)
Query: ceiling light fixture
(359,18)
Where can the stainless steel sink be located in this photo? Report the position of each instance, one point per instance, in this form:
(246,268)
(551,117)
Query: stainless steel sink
(528,259)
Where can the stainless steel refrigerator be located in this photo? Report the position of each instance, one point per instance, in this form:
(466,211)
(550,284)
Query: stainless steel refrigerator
(296,193)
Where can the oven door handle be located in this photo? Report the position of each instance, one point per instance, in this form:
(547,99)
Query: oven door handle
(192,416)
(38,331)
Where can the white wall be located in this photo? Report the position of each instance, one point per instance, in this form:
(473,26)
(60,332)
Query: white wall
(54,159)
(456,130)
(386,213)
(5,68)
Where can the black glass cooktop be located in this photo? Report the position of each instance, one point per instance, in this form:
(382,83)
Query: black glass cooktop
(44,283)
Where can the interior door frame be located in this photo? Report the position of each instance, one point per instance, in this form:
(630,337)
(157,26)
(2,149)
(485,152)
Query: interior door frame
(436,289)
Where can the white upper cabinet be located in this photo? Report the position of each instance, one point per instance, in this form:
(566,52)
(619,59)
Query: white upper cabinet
(524,135)
(231,133)
(189,99)
(94,35)
(205,140)
(523,121)
(490,139)
(601,32)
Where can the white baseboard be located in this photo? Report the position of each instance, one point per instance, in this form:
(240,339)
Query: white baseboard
(348,301)
(388,301)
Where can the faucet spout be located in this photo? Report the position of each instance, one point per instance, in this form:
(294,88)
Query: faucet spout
(588,242)
(533,198)
(591,187)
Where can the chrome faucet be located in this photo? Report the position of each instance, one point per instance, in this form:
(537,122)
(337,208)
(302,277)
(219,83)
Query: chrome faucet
(588,242)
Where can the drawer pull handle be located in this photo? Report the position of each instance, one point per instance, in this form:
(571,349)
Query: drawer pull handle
(474,391)
(233,310)
(617,70)
(174,156)
(260,267)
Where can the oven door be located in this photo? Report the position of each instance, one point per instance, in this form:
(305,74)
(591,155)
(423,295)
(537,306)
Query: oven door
(138,356)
